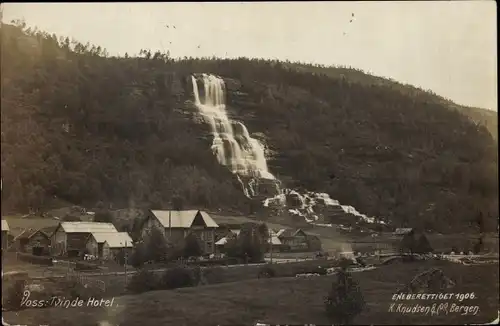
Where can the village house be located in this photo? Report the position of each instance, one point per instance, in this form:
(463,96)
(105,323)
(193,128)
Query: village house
(294,240)
(70,238)
(220,244)
(176,225)
(33,241)
(107,245)
(5,234)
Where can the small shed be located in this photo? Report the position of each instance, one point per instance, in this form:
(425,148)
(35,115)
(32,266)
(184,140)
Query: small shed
(33,241)
(107,245)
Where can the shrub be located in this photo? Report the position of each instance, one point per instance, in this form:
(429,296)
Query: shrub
(120,257)
(177,277)
(192,246)
(249,245)
(14,298)
(422,245)
(266,271)
(157,246)
(85,266)
(345,299)
(143,281)
(139,256)
(42,260)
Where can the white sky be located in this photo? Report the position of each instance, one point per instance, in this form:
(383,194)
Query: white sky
(446,46)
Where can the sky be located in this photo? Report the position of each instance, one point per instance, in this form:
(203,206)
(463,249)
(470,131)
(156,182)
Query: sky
(448,47)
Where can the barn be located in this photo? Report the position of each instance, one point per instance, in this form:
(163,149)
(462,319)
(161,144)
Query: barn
(107,245)
(33,241)
(70,238)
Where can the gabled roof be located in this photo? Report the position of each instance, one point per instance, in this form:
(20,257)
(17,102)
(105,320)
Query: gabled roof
(5,225)
(114,239)
(221,242)
(403,231)
(87,227)
(182,219)
(275,240)
(29,233)
(289,232)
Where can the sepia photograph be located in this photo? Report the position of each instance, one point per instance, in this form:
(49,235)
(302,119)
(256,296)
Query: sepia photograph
(249,163)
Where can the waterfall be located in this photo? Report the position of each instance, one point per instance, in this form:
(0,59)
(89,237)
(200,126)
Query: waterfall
(245,156)
(232,143)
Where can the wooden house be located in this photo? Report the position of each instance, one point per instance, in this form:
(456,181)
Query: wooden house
(33,241)
(70,238)
(107,245)
(176,225)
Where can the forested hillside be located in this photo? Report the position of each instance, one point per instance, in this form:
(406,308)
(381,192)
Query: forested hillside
(85,127)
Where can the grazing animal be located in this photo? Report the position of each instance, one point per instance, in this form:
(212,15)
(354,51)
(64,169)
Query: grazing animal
(430,281)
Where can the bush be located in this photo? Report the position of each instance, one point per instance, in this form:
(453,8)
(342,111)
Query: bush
(139,256)
(120,257)
(177,277)
(192,246)
(41,260)
(143,281)
(85,266)
(266,271)
(14,298)
(157,247)
(345,299)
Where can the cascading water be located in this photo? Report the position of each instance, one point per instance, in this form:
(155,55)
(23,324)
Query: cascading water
(232,143)
(245,156)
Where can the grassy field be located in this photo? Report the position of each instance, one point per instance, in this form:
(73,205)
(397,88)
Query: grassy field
(279,300)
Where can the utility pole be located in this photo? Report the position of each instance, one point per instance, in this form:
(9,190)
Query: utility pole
(170,223)
(126,261)
(271,245)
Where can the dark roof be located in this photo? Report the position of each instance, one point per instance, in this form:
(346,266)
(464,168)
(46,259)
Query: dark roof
(29,233)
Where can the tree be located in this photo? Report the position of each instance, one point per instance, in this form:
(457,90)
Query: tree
(345,299)
(249,244)
(408,243)
(157,246)
(120,257)
(192,246)
(423,245)
(139,256)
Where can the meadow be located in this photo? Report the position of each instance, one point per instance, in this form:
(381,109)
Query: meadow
(280,300)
